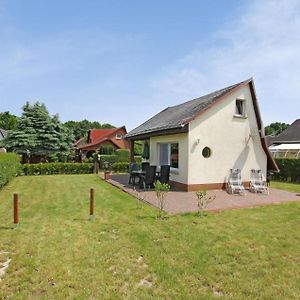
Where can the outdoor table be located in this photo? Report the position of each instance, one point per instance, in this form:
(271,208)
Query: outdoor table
(138,174)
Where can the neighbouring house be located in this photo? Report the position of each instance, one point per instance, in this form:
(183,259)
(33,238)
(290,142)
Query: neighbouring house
(104,141)
(204,138)
(287,143)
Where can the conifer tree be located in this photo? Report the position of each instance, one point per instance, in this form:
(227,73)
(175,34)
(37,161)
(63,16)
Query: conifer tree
(39,134)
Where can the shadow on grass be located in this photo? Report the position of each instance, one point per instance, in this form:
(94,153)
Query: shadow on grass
(83,220)
(145,217)
(7,227)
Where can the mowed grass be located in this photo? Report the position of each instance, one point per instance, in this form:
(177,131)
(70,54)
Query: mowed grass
(127,253)
(287,186)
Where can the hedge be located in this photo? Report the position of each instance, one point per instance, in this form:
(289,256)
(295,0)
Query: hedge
(289,170)
(9,167)
(121,167)
(114,158)
(57,168)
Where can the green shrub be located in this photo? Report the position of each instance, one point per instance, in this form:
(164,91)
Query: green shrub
(138,159)
(123,155)
(120,167)
(289,170)
(9,167)
(57,168)
(110,158)
(161,190)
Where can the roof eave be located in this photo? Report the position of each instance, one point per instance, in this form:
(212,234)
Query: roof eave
(271,163)
(169,131)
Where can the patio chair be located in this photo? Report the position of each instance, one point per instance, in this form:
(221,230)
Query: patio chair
(234,183)
(148,179)
(144,166)
(257,182)
(132,176)
(164,174)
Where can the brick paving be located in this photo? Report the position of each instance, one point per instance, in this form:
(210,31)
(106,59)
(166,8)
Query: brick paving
(181,202)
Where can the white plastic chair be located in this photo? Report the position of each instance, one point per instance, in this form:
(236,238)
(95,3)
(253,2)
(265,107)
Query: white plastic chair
(234,183)
(257,182)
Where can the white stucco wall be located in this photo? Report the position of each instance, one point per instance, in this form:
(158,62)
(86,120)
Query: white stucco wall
(234,142)
(229,139)
(180,174)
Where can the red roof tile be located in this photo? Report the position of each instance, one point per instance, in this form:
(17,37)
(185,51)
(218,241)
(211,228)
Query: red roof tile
(99,134)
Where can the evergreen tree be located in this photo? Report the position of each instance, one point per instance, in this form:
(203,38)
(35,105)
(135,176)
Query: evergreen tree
(39,134)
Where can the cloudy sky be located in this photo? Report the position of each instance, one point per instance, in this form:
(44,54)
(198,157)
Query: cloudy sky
(123,61)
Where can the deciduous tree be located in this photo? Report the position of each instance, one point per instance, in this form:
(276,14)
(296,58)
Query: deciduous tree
(8,121)
(275,128)
(80,128)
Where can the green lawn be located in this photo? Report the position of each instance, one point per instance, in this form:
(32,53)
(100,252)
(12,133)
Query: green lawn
(127,253)
(291,187)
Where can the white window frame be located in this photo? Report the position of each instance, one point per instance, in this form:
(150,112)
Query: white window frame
(119,136)
(236,114)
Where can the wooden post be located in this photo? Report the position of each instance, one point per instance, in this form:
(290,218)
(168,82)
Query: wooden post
(92,205)
(132,151)
(16,210)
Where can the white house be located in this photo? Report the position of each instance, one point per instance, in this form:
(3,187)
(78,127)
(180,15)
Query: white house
(204,138)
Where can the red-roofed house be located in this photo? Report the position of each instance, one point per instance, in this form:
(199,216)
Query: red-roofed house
(103,140)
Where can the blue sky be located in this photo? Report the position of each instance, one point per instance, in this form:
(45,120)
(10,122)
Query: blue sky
(123,61)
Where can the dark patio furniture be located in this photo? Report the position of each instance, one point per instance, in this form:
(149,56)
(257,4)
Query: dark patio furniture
(145,165)
(148,179)
(164,174)
(134,167)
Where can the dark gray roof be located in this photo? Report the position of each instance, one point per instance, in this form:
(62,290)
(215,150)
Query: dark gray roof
(290,135)
(269,140)
(177,116)
(3,133)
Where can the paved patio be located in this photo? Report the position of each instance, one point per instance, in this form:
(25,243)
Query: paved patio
(181,202)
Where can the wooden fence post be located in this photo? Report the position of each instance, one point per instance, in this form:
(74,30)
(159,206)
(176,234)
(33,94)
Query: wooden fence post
(16,209)
(92,205)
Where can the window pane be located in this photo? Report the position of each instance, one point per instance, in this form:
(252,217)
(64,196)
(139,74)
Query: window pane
(174,155)
(163,154)
(239,107)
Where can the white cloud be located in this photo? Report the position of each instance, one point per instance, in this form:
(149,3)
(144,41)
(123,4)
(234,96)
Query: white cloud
(262,42)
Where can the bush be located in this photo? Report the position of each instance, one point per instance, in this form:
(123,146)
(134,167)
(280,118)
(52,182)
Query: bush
(203,200)
(120,167)
(289,170)
(9,167)
(138,159)
(57,168)
(110,158)
(161,190)
(122,155)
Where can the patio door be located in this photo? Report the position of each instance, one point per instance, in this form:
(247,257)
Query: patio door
(168,154)
(164,154)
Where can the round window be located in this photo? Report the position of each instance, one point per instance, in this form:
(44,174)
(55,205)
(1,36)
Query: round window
(206,152)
